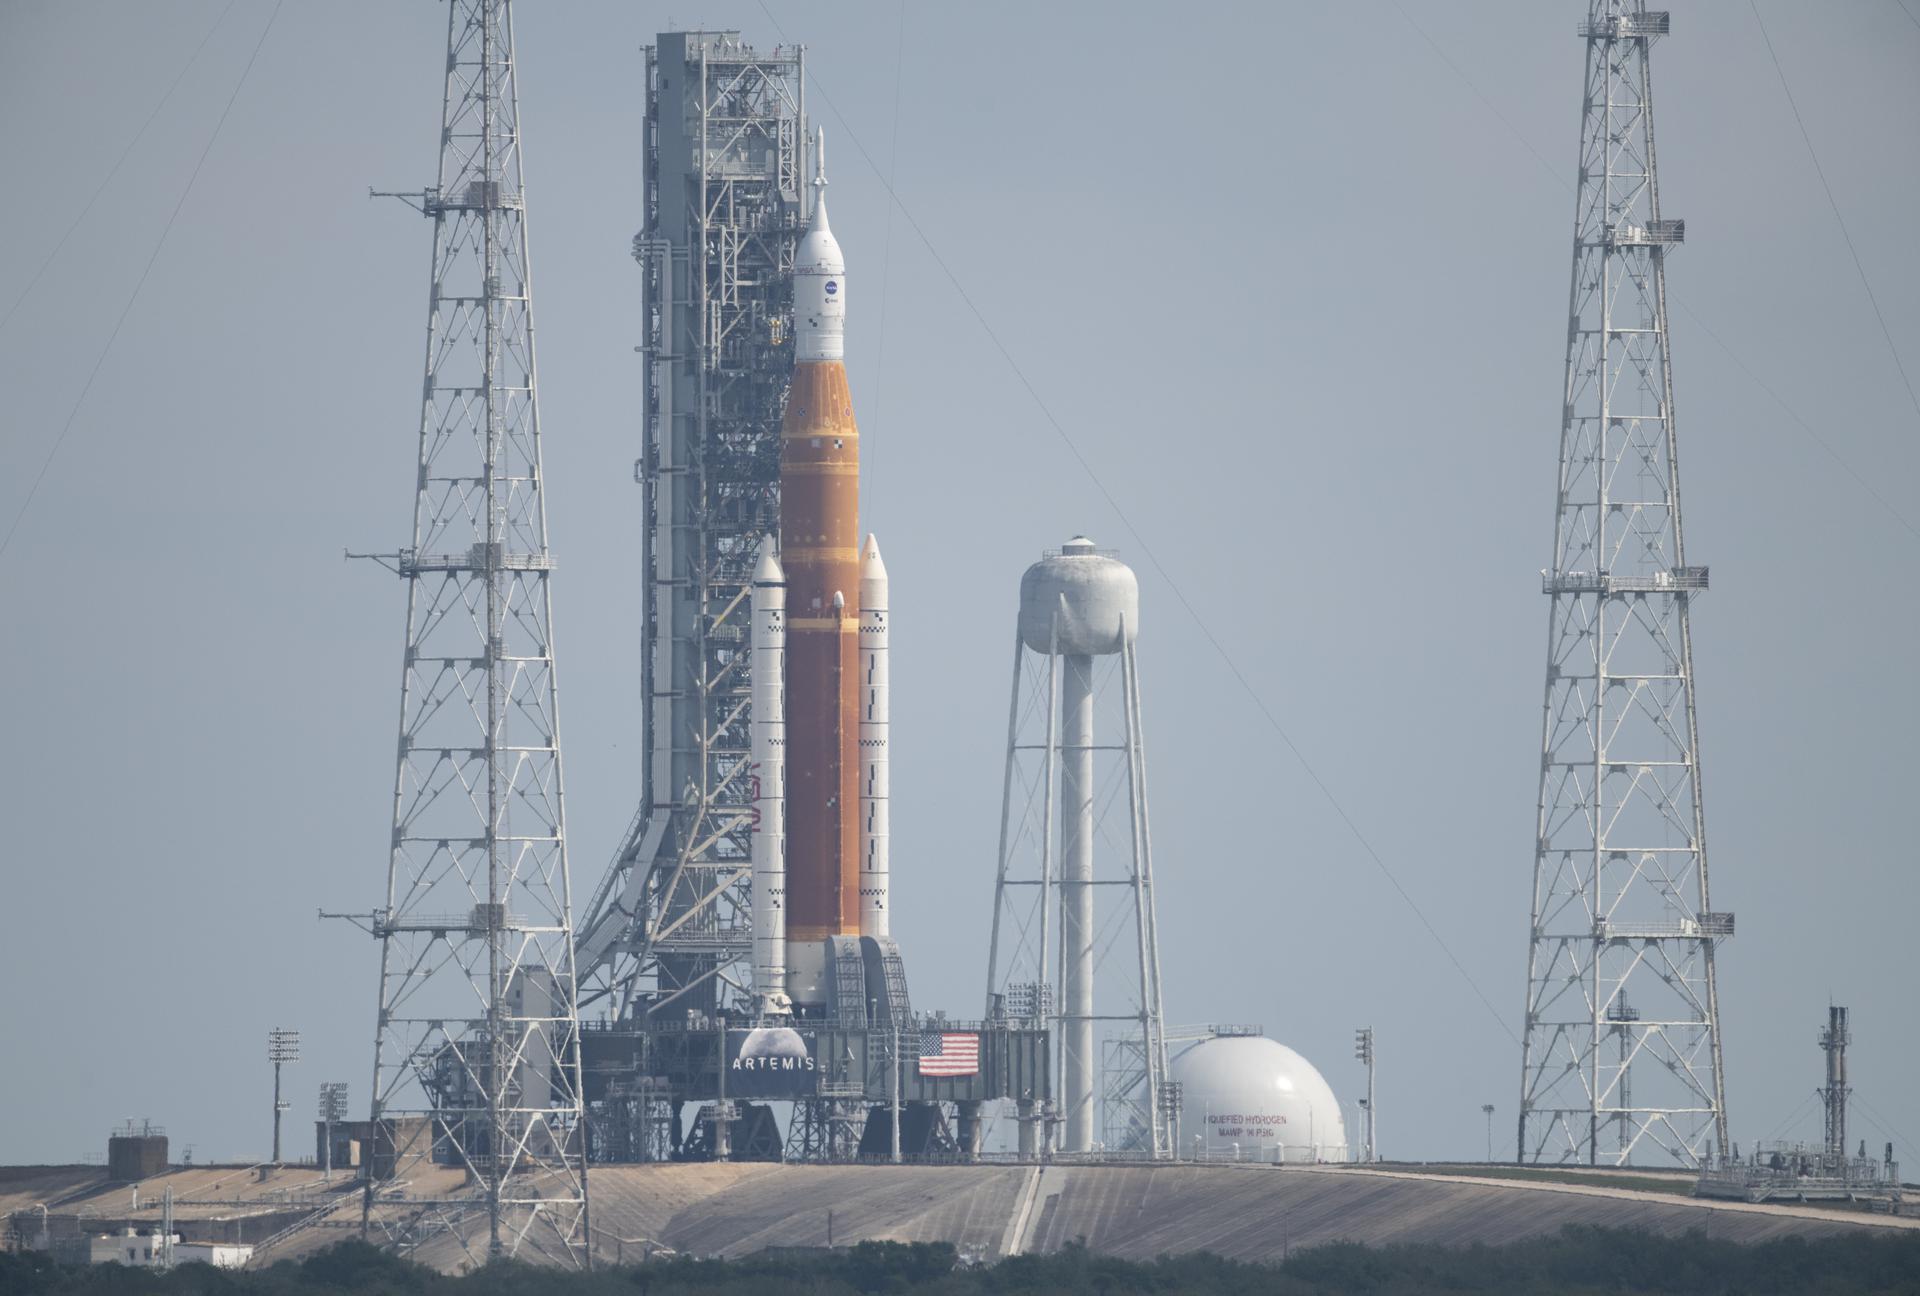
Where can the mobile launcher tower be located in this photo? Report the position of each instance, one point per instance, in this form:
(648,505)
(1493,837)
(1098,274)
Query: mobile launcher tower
(738,952)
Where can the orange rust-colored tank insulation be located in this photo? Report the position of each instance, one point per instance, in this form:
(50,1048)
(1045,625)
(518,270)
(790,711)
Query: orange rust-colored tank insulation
(819,547)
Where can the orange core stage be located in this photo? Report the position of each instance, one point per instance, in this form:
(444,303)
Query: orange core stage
(819,547)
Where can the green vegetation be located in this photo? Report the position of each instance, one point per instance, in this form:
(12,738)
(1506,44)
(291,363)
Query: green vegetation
(1577,1261)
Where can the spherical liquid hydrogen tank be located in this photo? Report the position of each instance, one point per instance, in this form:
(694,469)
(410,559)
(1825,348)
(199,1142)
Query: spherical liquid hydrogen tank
(1250,1098)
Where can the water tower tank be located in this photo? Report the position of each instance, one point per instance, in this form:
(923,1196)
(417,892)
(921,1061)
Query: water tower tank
(1258,1096)
(1096,594)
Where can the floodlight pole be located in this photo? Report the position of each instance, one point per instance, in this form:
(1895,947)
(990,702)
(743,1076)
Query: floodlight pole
(283,1046)
(896,1091)
(1363,1050)
(333,1108)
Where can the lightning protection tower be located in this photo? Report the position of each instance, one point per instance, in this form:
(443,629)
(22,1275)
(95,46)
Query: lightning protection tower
(1623,935)
(476,1063)
(1053,907)
(669,930)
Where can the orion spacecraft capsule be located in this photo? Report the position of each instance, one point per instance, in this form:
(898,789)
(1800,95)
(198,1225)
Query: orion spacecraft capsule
(832,766)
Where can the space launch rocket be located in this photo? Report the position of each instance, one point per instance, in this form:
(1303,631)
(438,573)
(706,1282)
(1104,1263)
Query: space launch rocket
(820,617)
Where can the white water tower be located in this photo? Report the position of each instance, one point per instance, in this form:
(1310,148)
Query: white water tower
(1071,882)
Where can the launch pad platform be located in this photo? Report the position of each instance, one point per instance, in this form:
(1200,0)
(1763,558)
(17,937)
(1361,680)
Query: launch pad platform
(640,1079)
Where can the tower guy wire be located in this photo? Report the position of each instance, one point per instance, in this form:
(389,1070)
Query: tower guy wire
(1846,235)
(886,268)
(119,162)
(1859,479)
(134,296)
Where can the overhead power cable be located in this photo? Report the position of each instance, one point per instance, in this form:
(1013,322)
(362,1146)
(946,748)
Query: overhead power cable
(1792,1116)
(1846,235)
(1859,479)
(1882,1124)
(1193,614)
(114,170)
(870,456)
(140,283)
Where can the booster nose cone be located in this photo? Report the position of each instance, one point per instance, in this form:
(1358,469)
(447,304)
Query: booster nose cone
(873,575)
(768,571)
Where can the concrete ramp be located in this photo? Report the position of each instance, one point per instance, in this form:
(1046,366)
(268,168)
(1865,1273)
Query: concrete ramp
(1138,1212)
(779,1206)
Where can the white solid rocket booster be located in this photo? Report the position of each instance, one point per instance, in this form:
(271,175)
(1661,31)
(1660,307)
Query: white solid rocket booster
(873,741)
(769,741)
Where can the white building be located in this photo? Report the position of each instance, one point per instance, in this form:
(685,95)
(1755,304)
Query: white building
(151,1251)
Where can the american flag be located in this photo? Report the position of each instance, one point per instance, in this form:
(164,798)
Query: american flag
(945,1053)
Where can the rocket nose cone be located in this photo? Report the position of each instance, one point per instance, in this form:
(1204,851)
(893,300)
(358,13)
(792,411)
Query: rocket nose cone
(839,600)
(768,571)
(871,565)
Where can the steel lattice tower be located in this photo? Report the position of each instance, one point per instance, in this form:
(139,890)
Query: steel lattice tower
(476,1063)
(1622,1050)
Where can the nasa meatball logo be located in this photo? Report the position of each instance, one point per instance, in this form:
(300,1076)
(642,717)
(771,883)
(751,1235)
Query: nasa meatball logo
(832,287)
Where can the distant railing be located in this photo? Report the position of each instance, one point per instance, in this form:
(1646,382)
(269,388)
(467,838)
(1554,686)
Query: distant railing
(1684,580)
(1655,233)
(1708,926)
(1640,26)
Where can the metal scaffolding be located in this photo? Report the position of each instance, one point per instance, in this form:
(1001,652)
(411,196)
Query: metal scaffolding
(476,1062)
(669,929)
(1623,937)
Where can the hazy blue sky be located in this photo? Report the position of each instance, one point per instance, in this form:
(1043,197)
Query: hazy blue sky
(1291,286)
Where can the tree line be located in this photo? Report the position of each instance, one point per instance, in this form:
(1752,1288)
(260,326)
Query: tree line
(1576,1261)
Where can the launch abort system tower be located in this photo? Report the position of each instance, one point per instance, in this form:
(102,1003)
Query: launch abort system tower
(1623,936)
